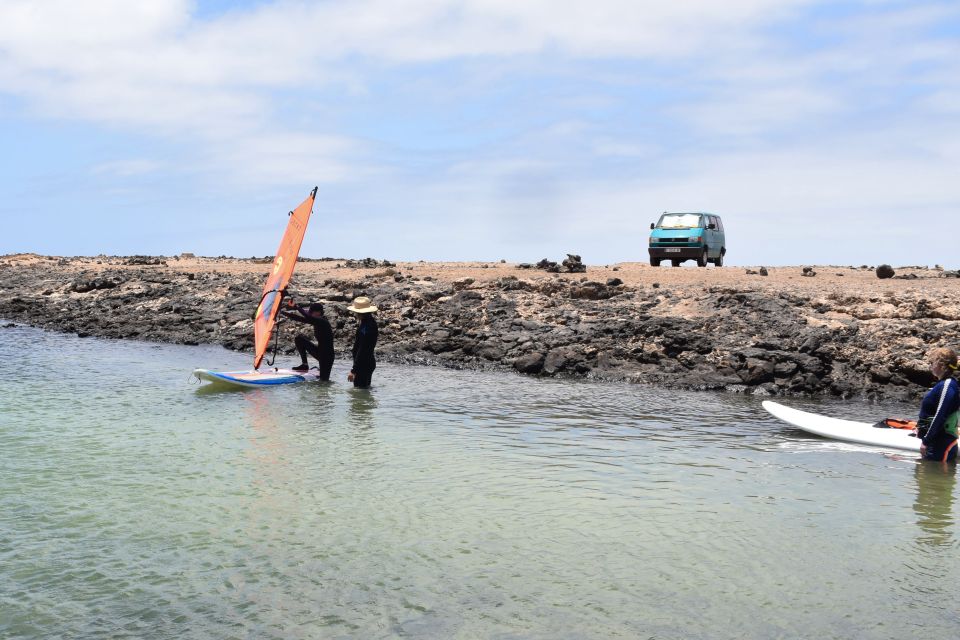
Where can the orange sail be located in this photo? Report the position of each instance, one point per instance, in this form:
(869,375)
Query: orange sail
(283,266)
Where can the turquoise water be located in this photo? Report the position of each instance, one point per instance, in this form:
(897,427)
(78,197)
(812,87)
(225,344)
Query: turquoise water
(444,504)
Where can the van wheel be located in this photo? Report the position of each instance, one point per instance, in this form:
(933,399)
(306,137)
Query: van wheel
(702,260)
(675,263)
(654,262)
(719,260)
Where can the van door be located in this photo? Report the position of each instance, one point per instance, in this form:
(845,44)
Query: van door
(713,249)
(720,236)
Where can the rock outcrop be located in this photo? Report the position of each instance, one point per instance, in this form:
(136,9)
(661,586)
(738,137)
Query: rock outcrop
(844,342)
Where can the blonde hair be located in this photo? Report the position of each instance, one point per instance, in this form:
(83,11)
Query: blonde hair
(944,356)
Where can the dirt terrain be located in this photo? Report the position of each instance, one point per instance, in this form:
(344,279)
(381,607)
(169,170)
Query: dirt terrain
(837,330)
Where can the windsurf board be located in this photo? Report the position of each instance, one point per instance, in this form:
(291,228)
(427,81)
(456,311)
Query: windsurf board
(253,379)
(845,430)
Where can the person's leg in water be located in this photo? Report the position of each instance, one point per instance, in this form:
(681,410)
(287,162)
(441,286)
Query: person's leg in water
(943,453)
(362,378)
(303,345)
(326,363)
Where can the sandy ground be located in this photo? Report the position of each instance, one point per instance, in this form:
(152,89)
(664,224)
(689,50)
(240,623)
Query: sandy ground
(828,279)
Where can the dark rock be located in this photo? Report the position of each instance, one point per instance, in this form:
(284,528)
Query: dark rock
(492,350)
(549,266)
(530,363)
(757,371)
(462,283)
(919,374)
(366,263)
(555,361)
(147,260)
(84,286)
(591,291)
(885,271)
(573,264)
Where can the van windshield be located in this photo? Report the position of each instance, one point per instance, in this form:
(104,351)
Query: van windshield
(679,220)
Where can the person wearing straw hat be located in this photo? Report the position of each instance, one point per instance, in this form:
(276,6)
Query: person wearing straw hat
(364,360)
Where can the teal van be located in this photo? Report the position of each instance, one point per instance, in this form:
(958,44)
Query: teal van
(678,237)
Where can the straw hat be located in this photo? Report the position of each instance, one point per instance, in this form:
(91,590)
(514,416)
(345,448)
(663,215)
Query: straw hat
(362,305)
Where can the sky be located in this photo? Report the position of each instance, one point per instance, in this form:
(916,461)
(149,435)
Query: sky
(823,132)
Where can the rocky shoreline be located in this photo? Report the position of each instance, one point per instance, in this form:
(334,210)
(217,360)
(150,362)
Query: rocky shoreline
(840,332)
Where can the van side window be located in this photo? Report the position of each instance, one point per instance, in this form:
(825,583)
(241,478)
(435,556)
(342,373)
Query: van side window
(719,224)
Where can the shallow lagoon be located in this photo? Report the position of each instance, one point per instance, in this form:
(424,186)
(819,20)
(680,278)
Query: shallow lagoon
(444,504)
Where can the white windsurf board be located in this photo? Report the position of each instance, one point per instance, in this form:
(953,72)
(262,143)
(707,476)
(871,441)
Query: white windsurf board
(845,430)
(253,379)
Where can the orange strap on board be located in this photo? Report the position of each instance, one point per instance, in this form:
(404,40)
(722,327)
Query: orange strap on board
(896,423)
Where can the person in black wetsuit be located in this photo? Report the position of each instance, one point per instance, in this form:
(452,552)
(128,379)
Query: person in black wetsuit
(364,360)
(323,349)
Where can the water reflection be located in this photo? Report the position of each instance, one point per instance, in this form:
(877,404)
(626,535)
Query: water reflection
(934,502)
(447,504)
(361,407)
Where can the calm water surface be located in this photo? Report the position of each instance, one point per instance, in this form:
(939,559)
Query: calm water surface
(444,504)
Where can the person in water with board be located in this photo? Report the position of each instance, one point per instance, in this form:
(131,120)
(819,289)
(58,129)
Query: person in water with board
(323,349)
(937,424)
(364,360)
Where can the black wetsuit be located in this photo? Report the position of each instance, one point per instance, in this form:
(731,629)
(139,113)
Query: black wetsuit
(323,349)
(364,361)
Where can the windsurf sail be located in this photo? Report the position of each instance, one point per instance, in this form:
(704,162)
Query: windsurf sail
(283,265)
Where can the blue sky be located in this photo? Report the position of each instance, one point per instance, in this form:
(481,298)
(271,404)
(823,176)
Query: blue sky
(822,132)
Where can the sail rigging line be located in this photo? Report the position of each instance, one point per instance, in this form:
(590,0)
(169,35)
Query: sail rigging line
(276,331)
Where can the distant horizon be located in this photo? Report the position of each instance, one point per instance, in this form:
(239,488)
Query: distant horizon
(822,132)
(308,258)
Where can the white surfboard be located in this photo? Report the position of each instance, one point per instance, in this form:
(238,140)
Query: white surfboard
(845,430)
(266,378)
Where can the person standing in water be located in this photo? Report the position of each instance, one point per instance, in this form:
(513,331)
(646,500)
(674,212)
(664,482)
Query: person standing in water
(937,424)
(322,331)
(364,360)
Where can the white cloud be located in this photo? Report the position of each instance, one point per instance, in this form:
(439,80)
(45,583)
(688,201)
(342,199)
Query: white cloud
(276,158)
(746,111)
(92,55)
(127,168)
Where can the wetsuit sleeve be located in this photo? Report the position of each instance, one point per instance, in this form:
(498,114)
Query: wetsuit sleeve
(947,401)
(302,317)
(355,350)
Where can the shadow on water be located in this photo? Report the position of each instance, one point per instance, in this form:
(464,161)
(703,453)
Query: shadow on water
(934,502)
